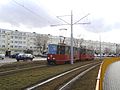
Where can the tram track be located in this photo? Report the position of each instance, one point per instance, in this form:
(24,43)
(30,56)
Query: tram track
(22,79)
(71,82)
(22,66)
(58,81)
(20,69)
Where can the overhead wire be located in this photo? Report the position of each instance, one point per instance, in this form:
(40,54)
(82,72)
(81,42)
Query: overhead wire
(29,10)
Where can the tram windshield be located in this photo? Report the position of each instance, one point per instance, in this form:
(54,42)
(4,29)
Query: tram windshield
(52,49)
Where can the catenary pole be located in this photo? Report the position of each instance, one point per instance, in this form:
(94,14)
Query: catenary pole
(71,24)
(71,37)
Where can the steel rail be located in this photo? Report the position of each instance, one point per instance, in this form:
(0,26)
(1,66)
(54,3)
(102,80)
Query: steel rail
(16,70)
(77,77)
(60,75)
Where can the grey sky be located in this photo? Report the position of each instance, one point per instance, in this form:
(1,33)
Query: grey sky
(38,15)
(30,14)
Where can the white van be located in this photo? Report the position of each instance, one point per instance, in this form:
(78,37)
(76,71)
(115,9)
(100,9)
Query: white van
(2,56)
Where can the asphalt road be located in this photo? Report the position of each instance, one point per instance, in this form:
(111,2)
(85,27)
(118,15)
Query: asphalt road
(11,60)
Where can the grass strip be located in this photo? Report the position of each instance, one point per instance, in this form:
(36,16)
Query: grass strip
(22,79)
(19,65)
(87,82)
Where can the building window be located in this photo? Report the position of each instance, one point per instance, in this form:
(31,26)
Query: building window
(3,45)
(11,36)
(11,41)
(3,36)
(3,41)
(20,42)
(16,37)
(20,46)
(3,31)
(11,46)
(15,41)
(20,37)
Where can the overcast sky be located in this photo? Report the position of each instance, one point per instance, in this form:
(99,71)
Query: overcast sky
(38,15)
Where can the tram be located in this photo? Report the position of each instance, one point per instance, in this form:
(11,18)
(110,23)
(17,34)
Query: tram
(60,54)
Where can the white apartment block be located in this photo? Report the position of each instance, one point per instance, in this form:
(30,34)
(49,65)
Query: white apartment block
(16,41)
(106,47)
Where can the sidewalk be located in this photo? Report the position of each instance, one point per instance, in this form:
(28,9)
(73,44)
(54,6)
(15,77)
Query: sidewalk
(11,60)
(112,77)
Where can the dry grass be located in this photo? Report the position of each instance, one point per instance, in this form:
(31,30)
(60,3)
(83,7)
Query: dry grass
(22,64)
(22,79)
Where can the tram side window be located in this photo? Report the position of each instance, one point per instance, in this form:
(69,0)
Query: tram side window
(88,51)
(61,50)
(91,52)
(83,51)
(67,50)
(75,50)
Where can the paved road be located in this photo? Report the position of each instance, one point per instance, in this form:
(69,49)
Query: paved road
(112,77)
(10,60)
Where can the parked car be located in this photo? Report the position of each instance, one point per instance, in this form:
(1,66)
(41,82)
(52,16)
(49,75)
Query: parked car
(13,55)
(24,57)
(2,56)
(43,55)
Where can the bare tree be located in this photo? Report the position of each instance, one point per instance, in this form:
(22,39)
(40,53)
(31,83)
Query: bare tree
(107,50)
(78,42)
(41,42)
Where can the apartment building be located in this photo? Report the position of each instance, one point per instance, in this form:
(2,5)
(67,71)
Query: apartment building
(16,41)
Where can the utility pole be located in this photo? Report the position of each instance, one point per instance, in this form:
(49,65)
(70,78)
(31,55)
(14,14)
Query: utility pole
(100,48)
(116,49)
(71,24)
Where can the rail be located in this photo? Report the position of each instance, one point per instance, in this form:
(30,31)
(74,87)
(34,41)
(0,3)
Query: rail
(17,70)
(60,75)
(78,76)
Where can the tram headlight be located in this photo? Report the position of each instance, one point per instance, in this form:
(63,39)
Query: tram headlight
(48,57)
(53,58)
